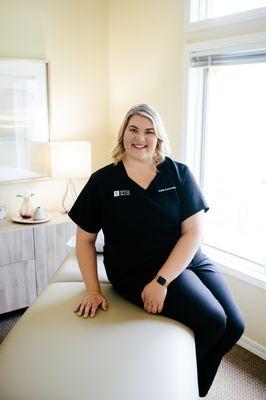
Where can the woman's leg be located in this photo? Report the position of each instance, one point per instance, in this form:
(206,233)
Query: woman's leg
(189,301)
(211,276)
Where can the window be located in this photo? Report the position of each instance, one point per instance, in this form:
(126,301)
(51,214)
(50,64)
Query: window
(204,9)
(23,119)
(207,13)
(226,144)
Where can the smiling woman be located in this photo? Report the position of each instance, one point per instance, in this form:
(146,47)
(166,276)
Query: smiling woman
(137,125)
(140,140)
(151,210)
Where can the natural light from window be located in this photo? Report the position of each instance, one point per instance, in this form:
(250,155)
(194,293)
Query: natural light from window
(235,161)
(202,9)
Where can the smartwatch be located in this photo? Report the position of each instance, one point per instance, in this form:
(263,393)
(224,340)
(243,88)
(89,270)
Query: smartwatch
(161,280)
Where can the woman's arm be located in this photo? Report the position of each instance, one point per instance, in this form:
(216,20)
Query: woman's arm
(86,256)
(153,294)
(186,247)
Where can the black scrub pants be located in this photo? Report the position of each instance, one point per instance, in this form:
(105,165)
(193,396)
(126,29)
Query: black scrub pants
(201,299)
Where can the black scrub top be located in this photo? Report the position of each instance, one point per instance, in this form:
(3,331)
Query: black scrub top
(140,226)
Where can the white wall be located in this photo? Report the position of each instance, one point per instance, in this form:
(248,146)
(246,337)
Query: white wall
(145,60)
(73,37)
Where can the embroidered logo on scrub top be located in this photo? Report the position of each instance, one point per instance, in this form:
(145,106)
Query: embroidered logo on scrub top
(165,189)
(121,193)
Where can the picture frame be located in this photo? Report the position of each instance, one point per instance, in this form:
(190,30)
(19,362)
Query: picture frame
(24,119)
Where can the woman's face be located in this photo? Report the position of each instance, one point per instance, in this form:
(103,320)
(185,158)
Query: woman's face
(140,140)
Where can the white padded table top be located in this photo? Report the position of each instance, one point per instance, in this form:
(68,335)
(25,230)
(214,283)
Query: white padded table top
(69,270)
(120,354)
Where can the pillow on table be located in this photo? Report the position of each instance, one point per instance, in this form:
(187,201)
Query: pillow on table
(98,244)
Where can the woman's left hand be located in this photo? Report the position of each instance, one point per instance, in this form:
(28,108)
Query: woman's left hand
(153,296)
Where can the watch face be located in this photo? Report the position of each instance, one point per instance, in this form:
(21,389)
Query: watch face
(161,280)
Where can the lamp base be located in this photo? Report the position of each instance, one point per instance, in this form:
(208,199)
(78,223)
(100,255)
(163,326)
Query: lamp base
(70,196)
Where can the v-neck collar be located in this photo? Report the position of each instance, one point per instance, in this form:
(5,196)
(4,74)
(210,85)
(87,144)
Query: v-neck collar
(123,169)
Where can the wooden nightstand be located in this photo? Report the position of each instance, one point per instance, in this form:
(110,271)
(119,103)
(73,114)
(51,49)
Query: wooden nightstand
(29,257)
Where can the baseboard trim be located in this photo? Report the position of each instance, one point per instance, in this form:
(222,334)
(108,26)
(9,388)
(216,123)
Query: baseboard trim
(252,346)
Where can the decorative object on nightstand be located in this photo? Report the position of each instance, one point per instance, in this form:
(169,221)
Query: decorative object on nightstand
(27,214)
(70,160)
(39,214)
(31,220)
(26,210)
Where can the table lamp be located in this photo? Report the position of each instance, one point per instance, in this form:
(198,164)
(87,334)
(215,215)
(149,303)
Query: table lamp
(70,160)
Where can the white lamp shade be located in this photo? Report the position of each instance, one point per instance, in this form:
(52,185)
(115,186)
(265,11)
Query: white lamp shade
(70,159)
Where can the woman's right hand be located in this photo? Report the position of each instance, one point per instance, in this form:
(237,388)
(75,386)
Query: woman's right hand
(90,304)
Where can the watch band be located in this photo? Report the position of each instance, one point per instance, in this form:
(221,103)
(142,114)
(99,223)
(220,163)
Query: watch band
(161,280)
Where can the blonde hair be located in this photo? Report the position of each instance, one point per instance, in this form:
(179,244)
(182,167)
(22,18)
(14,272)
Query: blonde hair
(147,111)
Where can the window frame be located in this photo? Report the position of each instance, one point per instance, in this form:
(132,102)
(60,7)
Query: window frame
(189,151)
(254,14)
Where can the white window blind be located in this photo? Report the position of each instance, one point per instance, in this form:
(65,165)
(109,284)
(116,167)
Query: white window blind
(230,135)
(205,59)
